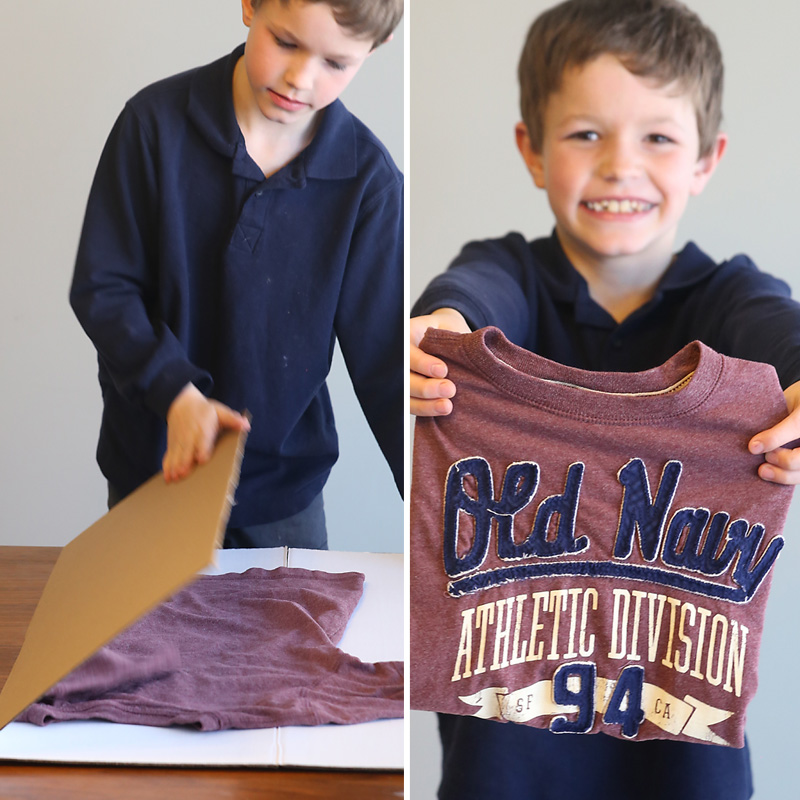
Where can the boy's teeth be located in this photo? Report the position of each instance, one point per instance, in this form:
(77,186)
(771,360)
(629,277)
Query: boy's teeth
(619,206)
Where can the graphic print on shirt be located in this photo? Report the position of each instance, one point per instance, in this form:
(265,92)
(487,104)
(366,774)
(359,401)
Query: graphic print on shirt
(690,540)
(593,567)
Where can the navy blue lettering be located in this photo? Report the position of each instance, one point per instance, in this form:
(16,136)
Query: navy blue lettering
(519,486)
(627,692)
(640,512)
(680,551)
(582,696)
(564,507)
(746,542)
(709,563)
(743,540)
(694,540)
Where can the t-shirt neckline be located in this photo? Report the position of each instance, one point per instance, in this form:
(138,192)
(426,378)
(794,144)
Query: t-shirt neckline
(679,386)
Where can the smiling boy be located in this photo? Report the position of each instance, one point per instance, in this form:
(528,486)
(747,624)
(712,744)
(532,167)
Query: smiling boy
(621,111)
(618,158)
(241,220)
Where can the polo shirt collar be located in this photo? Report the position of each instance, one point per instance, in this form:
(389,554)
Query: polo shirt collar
(566,285)
(332,153)
(210,105)
(690,266)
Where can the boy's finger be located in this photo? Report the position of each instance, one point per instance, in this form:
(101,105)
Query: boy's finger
(170,467)
(180,461)
(784,458)
(434,368)
(228,418)
(424,364)
(788,430)
(440,407)
(773,474)
(204,450)
(429,388)
(177,461)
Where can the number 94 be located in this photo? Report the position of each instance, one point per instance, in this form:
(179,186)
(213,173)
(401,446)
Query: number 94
(574,685)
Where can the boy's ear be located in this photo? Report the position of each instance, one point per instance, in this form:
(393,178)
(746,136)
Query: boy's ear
(247,12)
(532,158)
(706,164)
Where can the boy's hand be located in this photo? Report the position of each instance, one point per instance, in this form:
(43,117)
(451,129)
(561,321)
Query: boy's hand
(193,424)
(430,392)
(782,465)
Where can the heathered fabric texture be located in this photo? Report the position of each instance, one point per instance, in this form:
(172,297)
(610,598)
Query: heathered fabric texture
(243,650)
(586,544)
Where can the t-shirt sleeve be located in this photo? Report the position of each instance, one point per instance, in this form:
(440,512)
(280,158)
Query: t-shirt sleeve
(489,283)
(115,291)
(751,315)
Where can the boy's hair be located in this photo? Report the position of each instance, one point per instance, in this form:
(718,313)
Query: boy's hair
(375,19)
(660,39)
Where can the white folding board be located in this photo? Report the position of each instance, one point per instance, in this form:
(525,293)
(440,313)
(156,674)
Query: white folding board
(374,633)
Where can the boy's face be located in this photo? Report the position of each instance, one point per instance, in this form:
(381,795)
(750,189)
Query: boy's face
(297,59)
(619,161)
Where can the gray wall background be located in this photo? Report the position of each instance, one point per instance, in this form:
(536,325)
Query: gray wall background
(469,181)
(66,72)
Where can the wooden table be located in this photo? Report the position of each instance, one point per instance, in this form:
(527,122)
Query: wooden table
(23,574)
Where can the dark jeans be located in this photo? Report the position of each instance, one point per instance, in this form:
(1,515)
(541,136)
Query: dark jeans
(305,529)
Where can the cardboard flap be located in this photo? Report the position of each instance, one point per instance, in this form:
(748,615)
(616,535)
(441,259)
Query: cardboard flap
(140,553)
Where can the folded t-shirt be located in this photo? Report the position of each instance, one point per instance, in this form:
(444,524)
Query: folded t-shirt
(592,551)
(243,650)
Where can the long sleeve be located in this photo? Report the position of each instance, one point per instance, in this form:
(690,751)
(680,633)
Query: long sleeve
(750,314)
(369,320)
(116,292)
(489,284)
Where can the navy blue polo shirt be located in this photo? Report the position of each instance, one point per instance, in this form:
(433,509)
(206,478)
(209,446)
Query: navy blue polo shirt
(194,267)
(532,293)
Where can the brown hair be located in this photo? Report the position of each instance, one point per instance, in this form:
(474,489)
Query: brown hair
(375,19)
(661,39)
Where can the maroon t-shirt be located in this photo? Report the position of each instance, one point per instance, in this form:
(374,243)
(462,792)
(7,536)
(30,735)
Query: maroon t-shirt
(242,650)
(593,551)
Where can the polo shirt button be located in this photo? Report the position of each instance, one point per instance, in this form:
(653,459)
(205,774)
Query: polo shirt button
(259,193)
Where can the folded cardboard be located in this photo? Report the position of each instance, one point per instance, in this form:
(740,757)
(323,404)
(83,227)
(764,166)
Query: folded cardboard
(137,555)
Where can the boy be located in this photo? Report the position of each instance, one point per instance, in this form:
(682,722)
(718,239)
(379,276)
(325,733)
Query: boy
(240,218)
(621,110)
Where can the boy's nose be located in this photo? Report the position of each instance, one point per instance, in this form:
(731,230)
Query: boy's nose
(619,162)
(300,75)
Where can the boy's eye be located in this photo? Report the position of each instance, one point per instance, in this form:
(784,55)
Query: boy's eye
(335,65)
(585,136)
(283,43)
(658,138)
